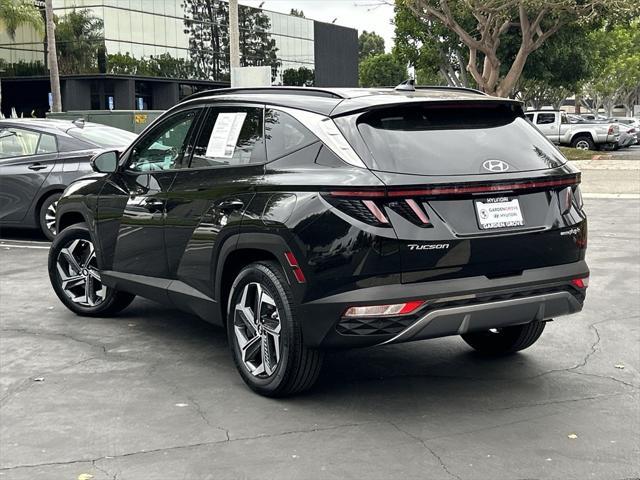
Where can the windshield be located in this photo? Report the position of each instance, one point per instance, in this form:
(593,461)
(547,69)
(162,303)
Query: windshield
(455,139)
(103,136)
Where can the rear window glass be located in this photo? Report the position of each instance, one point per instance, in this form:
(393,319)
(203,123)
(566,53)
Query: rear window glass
(103,136)
(453,139)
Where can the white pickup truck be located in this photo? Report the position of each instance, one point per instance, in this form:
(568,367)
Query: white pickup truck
(556,127)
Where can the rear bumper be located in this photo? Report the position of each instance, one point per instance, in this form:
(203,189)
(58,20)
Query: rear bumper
(452,307)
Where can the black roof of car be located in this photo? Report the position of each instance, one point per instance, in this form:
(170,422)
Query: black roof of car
(338,101)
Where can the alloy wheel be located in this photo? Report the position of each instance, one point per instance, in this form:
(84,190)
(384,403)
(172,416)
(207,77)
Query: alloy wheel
(582,145)
(257,326)
(50,217)
(79,275)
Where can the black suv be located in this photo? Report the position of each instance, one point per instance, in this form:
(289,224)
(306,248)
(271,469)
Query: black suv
(302,219)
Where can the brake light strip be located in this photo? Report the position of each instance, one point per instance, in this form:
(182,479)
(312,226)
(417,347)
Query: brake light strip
(456,190)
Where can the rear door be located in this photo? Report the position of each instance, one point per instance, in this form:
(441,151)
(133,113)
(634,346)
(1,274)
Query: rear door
(208,197)
(471,190)
(26,159)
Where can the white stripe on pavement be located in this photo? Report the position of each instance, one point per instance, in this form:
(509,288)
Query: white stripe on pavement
(627,196)
(8,246)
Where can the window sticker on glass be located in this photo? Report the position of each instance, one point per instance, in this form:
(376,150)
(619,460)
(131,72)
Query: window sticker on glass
(224,136)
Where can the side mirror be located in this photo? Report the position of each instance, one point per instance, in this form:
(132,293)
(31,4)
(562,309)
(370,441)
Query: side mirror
(105,162)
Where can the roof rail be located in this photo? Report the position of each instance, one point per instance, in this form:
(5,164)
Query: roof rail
(447,87)
(307,91)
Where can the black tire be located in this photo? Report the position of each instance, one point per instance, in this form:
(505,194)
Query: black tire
(582,141)
(298,366)
(44,215)
(113,301)
(504,341)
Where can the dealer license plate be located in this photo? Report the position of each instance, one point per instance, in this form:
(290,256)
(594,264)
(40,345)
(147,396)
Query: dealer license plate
(499,212)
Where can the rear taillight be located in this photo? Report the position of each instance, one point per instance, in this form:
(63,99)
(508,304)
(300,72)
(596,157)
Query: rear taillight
(580,282)
(570,196)
(372,211)
(577,197)
(612,130)
(375,211)
(384,310)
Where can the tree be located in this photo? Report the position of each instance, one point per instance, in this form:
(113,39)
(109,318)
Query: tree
(14,13)
(369,44)
(297,13)
(54,75)
(384,70)
(535,21)
(557,69)
(80,42)
(298,77)
(436,52)
(207,25)
(616,76)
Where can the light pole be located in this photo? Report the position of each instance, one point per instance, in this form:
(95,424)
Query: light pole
(234,38)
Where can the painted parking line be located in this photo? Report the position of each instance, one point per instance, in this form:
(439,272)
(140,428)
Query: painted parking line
(32,247)
(627,196)
(28,244)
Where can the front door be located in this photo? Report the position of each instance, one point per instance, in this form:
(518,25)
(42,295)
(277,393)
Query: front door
(26,158)
(132,208)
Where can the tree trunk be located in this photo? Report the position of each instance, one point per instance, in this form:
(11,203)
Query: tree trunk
(53,58)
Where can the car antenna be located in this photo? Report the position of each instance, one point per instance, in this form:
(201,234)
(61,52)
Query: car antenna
(406,86)
(79,122)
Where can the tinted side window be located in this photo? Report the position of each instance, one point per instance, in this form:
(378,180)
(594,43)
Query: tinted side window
(529,116)
(47,144)
(230,136)
(69,144)
(284,134)
(164,146)
(17,142)
(545,118)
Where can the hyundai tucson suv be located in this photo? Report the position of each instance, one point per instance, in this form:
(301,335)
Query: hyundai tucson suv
(305,219)
(39,158)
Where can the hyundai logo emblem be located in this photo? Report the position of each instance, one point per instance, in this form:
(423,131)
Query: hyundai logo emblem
(495,166)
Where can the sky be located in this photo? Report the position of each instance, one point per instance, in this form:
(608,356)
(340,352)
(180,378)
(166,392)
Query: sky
(370,15)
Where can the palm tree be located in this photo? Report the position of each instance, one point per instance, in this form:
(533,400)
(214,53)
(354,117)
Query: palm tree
(14,13)
(53,57)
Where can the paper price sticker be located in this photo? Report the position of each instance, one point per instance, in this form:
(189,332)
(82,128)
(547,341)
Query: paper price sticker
(224,136)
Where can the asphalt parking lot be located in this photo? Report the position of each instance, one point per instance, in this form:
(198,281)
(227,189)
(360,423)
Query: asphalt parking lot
(153,393)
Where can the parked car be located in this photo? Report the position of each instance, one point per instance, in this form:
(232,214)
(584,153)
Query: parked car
(39,158)
(555,125)
(629,130)
(628,136)
(302,219)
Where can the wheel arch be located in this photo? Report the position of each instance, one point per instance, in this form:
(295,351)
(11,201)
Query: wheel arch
(582,134)
(249,248)
(41,199)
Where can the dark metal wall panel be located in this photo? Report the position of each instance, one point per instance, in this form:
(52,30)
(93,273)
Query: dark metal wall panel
(336,55)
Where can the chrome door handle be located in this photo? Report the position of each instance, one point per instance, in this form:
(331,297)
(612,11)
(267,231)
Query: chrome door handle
(233,204)
(36,166)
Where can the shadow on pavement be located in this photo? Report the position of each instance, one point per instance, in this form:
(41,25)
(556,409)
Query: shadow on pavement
(24,234)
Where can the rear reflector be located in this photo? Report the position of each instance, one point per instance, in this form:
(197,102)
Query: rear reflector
(384,310)
(580,282)
(293,263)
